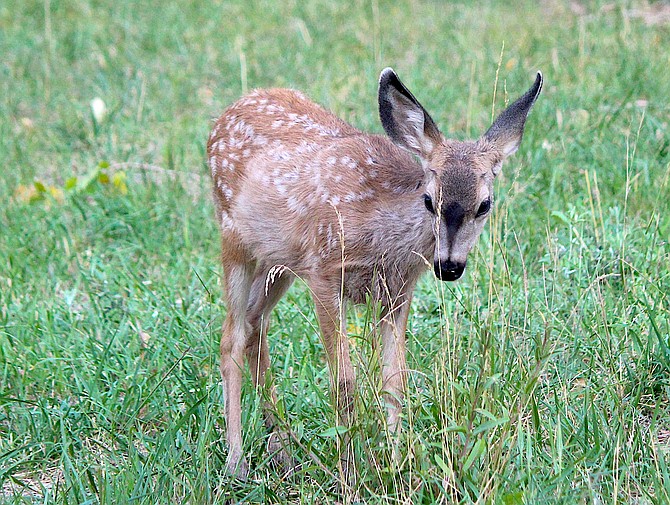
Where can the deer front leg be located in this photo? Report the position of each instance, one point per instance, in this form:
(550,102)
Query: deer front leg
(237,278)
(394,373)
(332,320)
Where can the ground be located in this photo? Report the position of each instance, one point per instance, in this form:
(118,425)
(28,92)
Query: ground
(540,377)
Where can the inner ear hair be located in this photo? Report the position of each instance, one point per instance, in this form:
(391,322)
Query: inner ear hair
(506,131)
(404,119)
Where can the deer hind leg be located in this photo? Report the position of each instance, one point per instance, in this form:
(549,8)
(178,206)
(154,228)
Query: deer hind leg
(237,280)
(266,291)
(332,320)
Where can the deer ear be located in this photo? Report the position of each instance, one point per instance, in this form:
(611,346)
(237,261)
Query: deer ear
(405,121)
(507,130)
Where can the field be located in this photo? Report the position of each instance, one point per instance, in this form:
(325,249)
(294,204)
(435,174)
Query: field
(542,376)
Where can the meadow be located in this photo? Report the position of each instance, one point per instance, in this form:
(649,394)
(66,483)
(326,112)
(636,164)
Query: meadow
(542,376)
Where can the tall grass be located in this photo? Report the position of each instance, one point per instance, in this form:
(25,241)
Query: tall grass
(541,377)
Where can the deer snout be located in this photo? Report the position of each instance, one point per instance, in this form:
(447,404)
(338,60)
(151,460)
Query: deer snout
(448,270)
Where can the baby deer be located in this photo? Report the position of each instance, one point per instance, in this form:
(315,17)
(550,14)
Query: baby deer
(301,193)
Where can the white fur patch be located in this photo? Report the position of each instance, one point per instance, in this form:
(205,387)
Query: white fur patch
(360,196)
(412,142)
(348,162)
(226,221)
(296,206)
(225,189)
(483,193)
(415,118)
(213,166)
(260,140)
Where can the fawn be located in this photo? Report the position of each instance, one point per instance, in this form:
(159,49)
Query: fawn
(301,193)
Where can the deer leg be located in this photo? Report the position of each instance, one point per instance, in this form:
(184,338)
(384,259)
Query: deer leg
(237,280)
(266,291)
(332,320)
(394,374)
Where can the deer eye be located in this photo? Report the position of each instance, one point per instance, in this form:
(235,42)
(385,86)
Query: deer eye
(428,202)
(484,208)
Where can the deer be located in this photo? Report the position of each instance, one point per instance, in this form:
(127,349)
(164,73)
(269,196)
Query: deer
(300,193)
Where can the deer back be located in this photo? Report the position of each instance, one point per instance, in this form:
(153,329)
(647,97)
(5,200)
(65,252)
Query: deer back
(296,186)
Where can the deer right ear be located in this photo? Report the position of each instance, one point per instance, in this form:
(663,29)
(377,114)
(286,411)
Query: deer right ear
(404,119)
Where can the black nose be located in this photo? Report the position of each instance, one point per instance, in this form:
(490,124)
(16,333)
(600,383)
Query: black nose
(448,270)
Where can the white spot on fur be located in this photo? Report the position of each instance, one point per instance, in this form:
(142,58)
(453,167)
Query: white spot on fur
(280,154)
(227,223)
(274,108)
(235,143)
(348,162)
(225,189)
(357,197)
(213,166)
(329,242)
(260,140)
(296,206)
(306,147)
(291,177)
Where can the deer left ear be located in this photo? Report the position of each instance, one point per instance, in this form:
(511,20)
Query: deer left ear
(507,130)
(404,119)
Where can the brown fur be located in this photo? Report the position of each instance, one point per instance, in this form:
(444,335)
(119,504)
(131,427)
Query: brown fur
(299,192)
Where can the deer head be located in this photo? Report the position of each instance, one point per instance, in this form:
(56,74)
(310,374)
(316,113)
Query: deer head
(458,175)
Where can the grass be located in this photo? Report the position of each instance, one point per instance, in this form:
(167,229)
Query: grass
(541,377)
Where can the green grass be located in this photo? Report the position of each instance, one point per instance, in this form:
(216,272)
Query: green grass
(542,377)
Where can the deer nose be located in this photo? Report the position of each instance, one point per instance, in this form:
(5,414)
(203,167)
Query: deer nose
(448,270)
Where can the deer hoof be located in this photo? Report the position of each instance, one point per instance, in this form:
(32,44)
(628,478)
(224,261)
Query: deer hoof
(237,466)
(278,448)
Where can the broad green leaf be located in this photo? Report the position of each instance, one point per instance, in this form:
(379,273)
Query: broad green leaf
(477,450)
